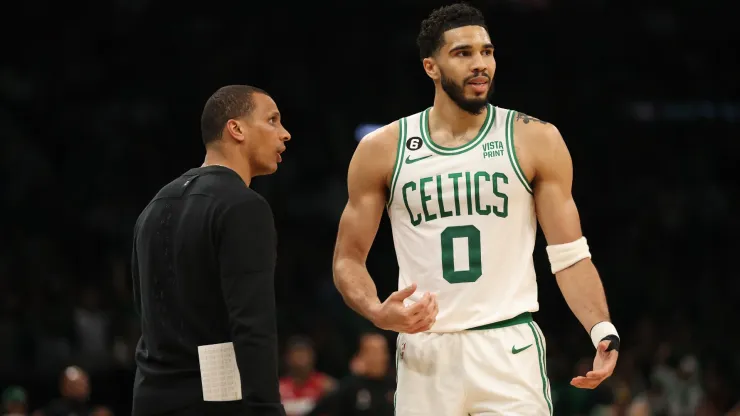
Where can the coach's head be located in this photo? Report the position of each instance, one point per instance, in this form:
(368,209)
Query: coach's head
(241,125)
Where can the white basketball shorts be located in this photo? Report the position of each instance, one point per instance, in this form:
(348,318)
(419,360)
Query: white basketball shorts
(497,369)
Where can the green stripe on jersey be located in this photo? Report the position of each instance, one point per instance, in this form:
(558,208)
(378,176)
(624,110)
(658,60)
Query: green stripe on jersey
(450,151)
(512,152)
(399,157)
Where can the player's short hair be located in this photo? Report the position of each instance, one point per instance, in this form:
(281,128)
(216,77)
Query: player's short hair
(229,102)
(433,28)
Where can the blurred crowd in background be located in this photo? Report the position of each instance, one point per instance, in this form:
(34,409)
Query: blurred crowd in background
(99,110)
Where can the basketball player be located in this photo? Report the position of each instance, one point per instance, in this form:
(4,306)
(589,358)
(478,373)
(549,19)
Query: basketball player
(464,183)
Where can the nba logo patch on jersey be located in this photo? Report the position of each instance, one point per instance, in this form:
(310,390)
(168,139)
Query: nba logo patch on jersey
(413,143)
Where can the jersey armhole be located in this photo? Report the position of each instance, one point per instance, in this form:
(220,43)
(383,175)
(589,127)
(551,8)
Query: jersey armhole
(399,158)
(511,151)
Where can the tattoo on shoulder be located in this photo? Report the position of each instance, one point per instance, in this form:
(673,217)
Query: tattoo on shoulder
(526,119)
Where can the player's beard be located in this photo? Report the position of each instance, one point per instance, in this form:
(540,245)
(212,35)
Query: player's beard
(456,92)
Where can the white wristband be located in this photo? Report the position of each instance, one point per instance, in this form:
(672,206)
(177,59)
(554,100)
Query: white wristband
(565,255)
(601,330)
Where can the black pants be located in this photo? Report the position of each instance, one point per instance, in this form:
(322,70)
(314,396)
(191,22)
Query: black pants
(211,409)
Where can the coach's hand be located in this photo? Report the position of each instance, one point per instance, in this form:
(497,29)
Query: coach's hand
(604,364)
(393,315)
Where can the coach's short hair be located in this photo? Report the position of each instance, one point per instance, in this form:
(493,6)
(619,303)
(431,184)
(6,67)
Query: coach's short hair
(229,102)
(433,28)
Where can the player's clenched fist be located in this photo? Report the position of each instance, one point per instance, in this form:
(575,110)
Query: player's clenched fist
(393,315)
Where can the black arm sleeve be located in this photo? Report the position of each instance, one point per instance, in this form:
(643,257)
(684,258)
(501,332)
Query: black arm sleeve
(247,255)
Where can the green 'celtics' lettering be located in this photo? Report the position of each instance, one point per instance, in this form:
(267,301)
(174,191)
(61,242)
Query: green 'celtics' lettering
(455,177)
(414,220)
(478,208)
(479,197)
(440,199)
(468,194)
(425,198)
(504,211)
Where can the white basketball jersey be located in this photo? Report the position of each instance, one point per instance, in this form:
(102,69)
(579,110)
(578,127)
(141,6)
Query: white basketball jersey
(464,224)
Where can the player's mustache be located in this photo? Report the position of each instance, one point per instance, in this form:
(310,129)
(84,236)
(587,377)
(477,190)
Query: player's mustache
(482,74)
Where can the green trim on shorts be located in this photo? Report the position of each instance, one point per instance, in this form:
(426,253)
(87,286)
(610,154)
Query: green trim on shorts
(541,359)
(524,318)
(544,355)
(395,392)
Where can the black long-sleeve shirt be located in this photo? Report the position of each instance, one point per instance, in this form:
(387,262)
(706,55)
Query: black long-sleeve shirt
(203,270)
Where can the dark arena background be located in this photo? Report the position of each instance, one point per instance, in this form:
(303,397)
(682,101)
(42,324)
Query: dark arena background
(100,107)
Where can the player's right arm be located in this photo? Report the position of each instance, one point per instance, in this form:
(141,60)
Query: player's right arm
(368,175)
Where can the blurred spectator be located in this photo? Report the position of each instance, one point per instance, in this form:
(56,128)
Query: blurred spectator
(11,331)
(75,392)
(124,322)
(651,402)
(368,391)
(15,402)
(302,386)
(682,386)
(92,329)
(735,411)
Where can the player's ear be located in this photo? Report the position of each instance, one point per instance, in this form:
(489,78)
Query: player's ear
(236,129)
(431,68)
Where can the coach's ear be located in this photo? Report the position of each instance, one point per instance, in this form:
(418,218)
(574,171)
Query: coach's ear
(431,68)
(235,129)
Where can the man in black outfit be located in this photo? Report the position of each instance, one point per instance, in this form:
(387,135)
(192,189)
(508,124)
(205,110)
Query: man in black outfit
(203,266)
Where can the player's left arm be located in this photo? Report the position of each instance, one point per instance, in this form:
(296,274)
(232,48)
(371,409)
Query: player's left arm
(558,216)
(568,251)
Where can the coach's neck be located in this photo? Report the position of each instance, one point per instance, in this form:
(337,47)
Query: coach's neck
(217,155)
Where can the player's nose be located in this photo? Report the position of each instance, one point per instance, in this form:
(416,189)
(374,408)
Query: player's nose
(478,63)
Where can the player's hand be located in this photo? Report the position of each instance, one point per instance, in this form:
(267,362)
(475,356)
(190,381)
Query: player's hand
(604,364)
(393,315)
